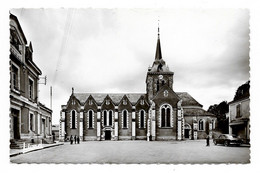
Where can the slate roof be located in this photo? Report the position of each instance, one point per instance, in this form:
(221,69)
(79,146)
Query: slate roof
(187,99)
(159,64)
(116,97)
(196,112)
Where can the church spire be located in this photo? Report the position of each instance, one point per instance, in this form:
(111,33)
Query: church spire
(158,54)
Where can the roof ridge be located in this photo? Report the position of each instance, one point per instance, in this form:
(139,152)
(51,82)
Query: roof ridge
(106,93)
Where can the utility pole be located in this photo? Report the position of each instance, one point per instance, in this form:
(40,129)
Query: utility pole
(51,97)
(44,82)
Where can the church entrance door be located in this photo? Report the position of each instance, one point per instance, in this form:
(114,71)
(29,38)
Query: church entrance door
(186,133)
(187,130)
(108,135)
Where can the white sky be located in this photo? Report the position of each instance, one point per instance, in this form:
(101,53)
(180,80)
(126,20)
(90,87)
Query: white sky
(109,50)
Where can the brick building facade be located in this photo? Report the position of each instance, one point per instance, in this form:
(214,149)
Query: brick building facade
(159,114)
(29,119)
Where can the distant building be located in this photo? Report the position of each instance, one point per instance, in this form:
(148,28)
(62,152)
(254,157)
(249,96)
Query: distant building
(158,114)
(55,131)
(30,121)
(239,113)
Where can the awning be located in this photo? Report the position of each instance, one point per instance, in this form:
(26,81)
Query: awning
(237,122)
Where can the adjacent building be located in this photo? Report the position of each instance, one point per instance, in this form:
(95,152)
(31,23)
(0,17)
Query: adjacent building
(30,121)
(239,113)
(55,132)
(158,114)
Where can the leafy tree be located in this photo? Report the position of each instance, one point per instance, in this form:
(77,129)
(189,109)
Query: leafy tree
(220,110)
(242,91)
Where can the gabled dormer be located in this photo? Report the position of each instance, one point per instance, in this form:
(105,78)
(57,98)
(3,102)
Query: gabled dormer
(90,103)
(166,95)
(73,102)
(125,104)
(107,103)
(142,104)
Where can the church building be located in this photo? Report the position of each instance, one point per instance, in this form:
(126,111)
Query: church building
(158,114)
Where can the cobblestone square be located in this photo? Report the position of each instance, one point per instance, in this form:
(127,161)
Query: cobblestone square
(135,152)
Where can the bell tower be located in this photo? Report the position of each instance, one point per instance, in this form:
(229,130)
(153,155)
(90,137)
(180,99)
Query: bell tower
(159,74)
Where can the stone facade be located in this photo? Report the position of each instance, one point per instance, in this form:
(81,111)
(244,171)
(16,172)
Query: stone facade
(29,119)
(159,114)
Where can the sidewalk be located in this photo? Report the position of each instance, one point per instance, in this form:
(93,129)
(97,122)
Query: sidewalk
(15,152)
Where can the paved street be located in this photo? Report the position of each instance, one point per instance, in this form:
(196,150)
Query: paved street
(137,152)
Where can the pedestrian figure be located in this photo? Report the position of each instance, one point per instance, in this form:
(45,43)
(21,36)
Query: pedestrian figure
(75,138)
(207,141)
(78,139)
(71,139)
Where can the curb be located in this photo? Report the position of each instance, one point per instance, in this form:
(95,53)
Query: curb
(21,152)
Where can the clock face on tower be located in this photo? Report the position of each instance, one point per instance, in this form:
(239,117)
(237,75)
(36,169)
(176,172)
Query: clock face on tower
(160,76)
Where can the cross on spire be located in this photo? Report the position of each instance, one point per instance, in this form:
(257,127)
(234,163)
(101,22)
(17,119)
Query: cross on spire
(158,28)
(158,54)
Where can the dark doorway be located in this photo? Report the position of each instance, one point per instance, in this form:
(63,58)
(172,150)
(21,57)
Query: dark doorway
(43,128)
(108,135)
(16,128)
(186,133)
(15,114)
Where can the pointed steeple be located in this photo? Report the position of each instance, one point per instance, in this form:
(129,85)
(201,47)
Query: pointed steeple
(159,64)
(158,54)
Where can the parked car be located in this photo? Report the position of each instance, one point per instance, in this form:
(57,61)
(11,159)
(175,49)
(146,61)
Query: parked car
(227,140)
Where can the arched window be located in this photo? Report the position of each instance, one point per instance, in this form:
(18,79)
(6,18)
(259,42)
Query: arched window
(142,102)
(110,117)
(142,119)
(90,102)
(73,120)
(105,118)
(124,118)
(90,119)
(201,124)
(165,116)
(168,117)
(163,82)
